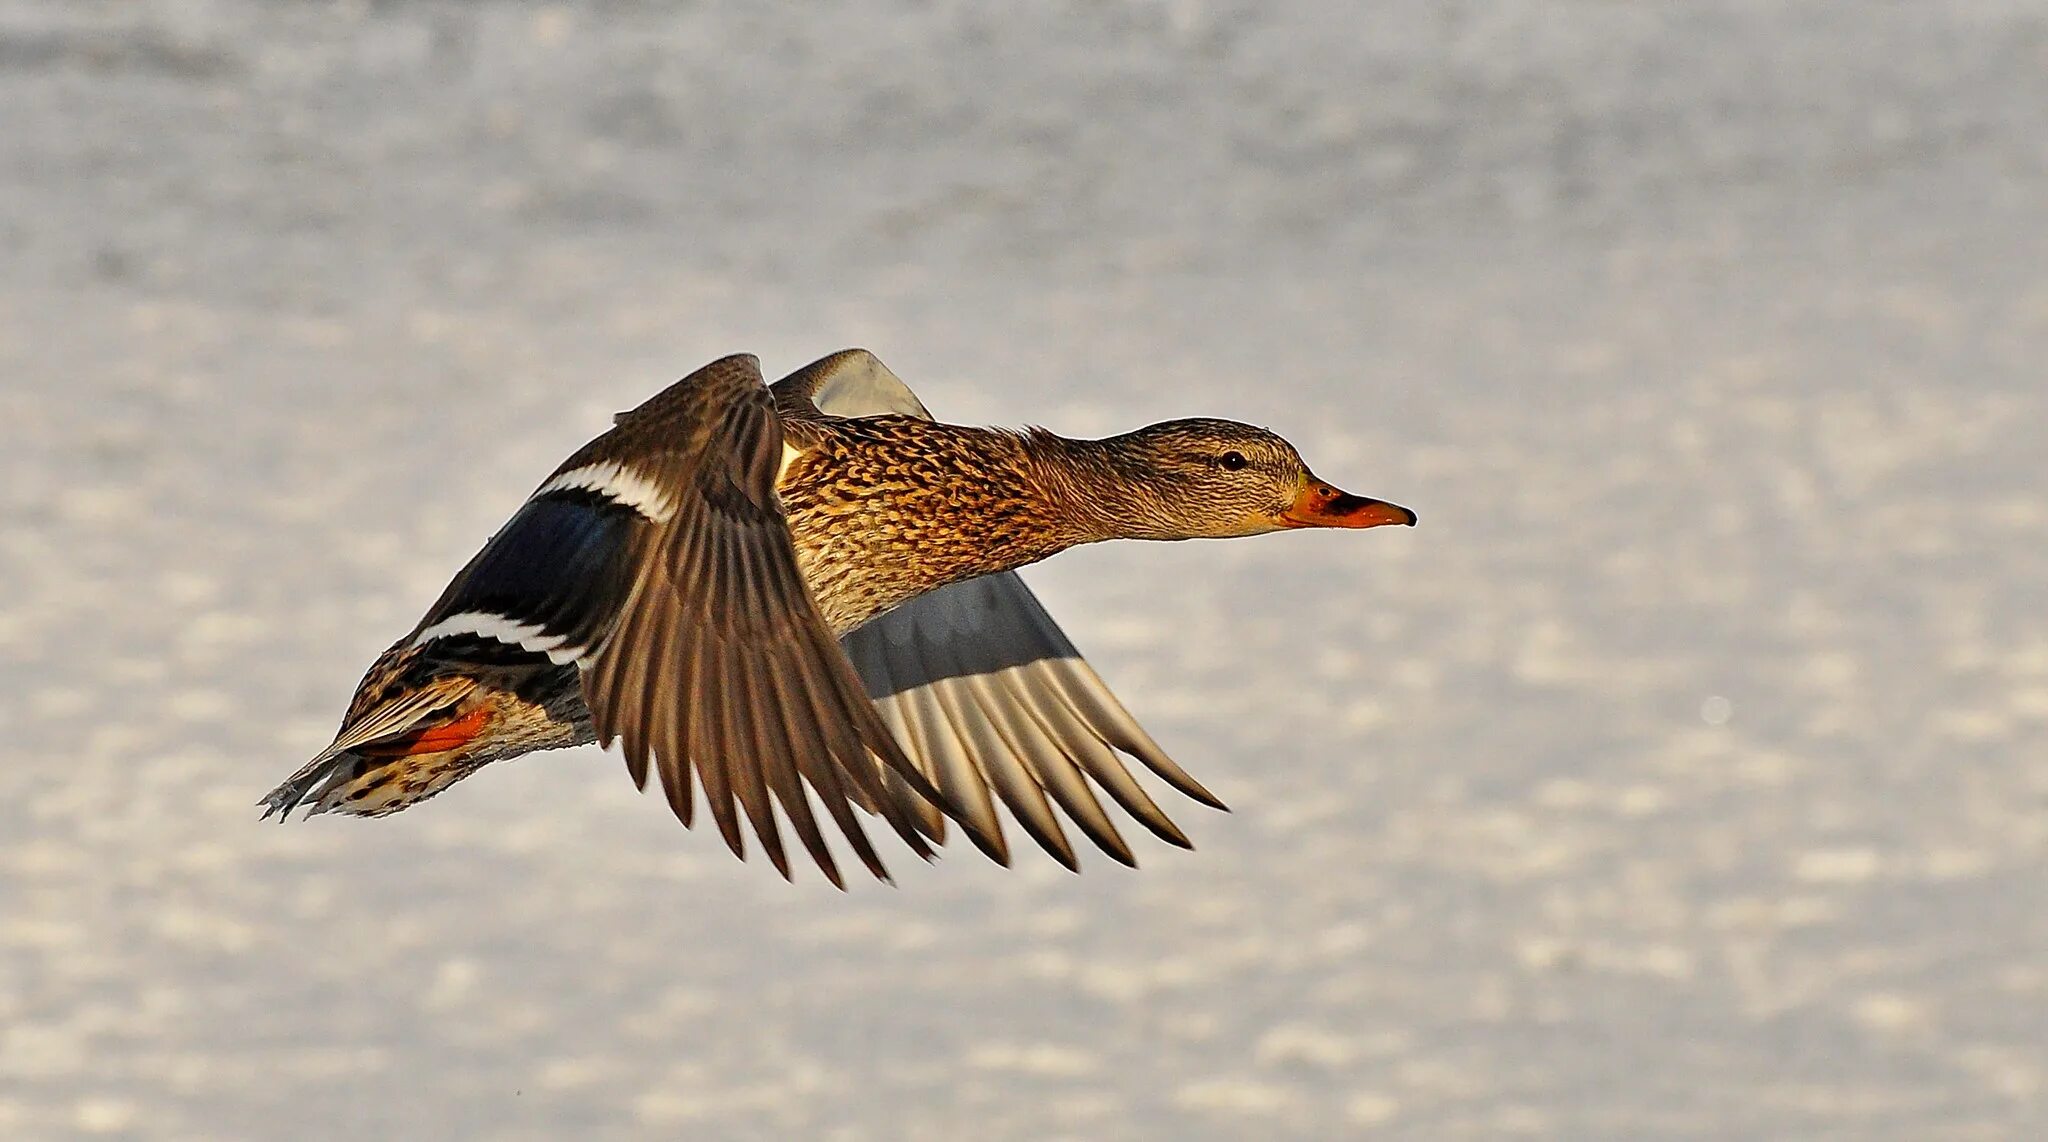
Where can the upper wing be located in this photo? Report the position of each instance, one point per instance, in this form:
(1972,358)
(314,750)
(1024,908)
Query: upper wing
(981,687)
(849,383)
(717,659)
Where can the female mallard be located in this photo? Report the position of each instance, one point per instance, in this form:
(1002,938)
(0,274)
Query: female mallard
(679,583)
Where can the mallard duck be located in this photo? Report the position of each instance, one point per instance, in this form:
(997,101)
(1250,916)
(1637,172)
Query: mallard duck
(812,584)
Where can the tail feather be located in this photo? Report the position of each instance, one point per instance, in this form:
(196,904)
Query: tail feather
(331,765)
(362,785)
(346,760)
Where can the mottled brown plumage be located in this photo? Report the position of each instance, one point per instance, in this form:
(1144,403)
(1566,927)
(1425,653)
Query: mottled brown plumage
(860,494)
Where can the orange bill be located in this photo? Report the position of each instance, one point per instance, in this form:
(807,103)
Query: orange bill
(1321,505)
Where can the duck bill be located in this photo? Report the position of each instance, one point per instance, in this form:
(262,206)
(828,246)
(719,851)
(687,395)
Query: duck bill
(1320,505)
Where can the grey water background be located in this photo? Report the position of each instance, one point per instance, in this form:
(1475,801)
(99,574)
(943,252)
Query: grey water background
(1681,776)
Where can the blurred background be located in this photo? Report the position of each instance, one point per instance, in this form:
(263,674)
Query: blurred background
(1682,775)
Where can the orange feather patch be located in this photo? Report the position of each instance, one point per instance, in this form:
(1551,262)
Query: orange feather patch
(432,739)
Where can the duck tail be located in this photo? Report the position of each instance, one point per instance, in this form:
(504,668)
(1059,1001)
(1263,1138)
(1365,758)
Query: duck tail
(329,768)
(381,736)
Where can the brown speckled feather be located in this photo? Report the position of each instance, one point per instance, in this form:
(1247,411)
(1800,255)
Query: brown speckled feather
(852,530)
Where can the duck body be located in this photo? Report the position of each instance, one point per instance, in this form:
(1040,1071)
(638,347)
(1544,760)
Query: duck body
(684,582)
(862,495)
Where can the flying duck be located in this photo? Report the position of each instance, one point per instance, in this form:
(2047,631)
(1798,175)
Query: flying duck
(811,585)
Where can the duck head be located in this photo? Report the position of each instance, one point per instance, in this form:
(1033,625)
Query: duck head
(1215,479)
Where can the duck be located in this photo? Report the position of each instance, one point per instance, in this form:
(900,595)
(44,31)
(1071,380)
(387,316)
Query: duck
(804,596)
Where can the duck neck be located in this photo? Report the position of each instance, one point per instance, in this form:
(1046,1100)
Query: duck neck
(1094,491)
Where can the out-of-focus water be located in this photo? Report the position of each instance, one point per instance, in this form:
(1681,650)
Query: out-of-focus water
(1683,775)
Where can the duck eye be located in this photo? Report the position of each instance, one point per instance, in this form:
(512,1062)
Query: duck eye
(1232,461)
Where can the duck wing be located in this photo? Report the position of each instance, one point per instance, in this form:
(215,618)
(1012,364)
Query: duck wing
(985,693)
(852,383)
(657,559)
(983,690)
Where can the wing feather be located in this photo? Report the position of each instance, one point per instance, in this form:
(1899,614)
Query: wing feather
(716,609)
(988,695)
